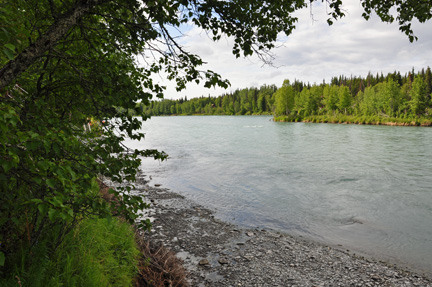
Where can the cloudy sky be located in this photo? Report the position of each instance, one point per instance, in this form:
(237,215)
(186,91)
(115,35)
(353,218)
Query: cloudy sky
(314,51)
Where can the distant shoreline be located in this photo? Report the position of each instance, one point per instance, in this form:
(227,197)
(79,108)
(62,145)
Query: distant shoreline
(325,119)
(343,119)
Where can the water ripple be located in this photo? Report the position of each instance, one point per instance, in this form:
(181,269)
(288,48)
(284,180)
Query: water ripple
(367,187)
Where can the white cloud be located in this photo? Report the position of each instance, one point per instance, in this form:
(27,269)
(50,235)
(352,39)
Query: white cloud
(315,51)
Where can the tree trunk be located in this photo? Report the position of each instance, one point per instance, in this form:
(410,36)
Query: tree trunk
(45,42)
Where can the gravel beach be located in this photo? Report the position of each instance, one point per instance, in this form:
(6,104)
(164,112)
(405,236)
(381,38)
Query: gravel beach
(216,253)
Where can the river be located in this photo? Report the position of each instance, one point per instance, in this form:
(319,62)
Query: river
(365,188)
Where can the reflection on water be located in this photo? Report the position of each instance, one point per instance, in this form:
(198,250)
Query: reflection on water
(366,187)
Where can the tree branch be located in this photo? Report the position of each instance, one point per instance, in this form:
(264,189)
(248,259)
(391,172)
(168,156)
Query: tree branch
(44,43)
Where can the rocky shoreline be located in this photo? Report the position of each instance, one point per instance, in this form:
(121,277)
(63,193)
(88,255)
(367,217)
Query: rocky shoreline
(216,253)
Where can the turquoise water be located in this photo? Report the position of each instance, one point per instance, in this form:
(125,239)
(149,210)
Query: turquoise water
(368,188)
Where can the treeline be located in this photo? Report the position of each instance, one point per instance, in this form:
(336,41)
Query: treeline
(241,102)
(390,96)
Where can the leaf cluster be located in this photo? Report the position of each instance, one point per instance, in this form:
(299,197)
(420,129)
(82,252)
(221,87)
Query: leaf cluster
(400,10)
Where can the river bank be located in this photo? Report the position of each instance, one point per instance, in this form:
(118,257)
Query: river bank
(216,253)
(357,120)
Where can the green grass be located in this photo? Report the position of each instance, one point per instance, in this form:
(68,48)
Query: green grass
(98,252)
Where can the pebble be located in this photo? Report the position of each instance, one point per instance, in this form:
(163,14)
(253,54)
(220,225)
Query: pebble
(204,262)
(223,261)
(265,258)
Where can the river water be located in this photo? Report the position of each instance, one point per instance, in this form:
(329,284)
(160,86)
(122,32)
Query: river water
(367,188)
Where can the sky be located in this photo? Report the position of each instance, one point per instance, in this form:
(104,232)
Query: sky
(314,52)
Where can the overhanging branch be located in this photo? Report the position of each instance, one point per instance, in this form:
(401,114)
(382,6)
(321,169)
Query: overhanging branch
(44,43)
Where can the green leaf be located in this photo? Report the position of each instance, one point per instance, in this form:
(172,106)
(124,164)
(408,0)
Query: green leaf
(72,174)
(8,53)
(35,200)
(51,182)
(43,165)
(63,215)
(53,214)
(10,47)
(7,165)
(37,179)
(42,208)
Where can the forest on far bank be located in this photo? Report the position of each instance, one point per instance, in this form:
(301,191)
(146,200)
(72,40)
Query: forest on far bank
(375,98)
